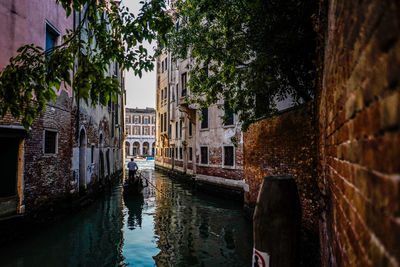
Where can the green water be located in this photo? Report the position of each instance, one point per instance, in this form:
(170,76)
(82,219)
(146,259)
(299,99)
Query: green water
(169,225)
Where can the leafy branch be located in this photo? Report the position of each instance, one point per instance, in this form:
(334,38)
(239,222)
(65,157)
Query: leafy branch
(107,34)
(256,52)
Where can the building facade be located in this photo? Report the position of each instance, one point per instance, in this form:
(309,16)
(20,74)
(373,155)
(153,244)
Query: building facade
(70,148)
(140,131)
(191,140)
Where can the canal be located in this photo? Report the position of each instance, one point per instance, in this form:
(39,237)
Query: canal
(169,225)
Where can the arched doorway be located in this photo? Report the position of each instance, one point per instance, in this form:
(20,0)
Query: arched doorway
(146,148)
(136,148)
(82,159)
(152,148)
(127,148)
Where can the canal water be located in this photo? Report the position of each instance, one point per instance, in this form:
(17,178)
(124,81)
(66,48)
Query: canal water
(170,225)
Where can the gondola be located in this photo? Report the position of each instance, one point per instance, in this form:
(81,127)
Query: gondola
(136,186)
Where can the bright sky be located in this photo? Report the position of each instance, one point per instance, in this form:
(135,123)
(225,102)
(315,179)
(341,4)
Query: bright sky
(140,92)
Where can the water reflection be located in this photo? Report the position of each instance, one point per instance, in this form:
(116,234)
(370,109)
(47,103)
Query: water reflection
(168,225)
(186,229)
(91,237)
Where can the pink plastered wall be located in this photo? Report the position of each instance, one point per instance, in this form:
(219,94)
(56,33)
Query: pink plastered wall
(24,22)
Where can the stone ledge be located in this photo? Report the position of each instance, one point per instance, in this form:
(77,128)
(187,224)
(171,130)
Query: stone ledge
(220,187)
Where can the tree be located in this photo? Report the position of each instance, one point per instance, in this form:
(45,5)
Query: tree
(249,53)
(112,34)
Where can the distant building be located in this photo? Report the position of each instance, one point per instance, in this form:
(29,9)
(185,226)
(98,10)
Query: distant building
(140,131)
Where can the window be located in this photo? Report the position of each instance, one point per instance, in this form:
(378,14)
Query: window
(176,130)
(162,66)
(190,154)
(229,117)
(172,153)
(51,36)
(162,123)
(162,94)
(190,128)
(137,119)
(228,156)
(127,119)
(176,153)
(92,154)
(165,121)
(166,64)
(204,122)
(146,120)
(184,80)
(145,130)
(136,130)
(165,93)
(50,142)
(180,153)
(180,128)
(204,155)
(153,130)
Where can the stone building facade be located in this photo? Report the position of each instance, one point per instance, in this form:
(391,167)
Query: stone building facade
(70,148)
(194,141)
(140,131)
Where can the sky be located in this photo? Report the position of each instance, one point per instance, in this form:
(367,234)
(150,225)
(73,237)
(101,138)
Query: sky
(140,93)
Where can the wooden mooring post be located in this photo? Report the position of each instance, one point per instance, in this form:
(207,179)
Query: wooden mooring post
(276,223)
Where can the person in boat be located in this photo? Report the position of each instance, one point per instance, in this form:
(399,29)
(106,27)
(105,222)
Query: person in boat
(133,167)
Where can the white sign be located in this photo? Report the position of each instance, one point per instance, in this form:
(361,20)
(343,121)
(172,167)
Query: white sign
(260,259)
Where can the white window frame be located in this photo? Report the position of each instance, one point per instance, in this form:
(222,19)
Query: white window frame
(208,156)
(208,121)
(223,157)
(48,24)
(229,125)
(190,160)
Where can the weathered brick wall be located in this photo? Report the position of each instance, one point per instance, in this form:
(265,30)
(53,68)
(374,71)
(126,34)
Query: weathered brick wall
(359,134)
(285,144)
(48,177)
(233,174)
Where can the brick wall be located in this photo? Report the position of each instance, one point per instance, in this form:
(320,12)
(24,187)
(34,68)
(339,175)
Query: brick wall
(48,177)
(285,144)
(359,117)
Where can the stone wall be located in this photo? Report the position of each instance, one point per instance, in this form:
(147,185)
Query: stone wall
(359,145)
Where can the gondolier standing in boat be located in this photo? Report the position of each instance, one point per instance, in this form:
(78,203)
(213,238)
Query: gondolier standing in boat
(133,167)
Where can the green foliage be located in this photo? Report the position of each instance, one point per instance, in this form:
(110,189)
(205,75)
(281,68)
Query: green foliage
(106,34)
(250,53)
